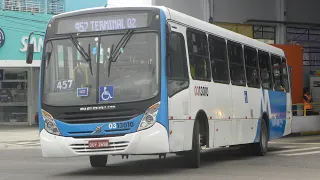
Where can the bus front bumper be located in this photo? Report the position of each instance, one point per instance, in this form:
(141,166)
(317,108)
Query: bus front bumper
(150,141)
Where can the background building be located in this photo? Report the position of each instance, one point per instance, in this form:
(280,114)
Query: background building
(288,22)
(18,80)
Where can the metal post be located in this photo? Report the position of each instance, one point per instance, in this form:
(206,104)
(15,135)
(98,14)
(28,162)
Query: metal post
(281,28)
(30,95)
(304,110)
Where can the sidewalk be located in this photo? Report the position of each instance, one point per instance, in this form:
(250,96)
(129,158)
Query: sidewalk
(12,136)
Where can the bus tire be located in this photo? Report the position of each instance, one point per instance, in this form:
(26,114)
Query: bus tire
(98,161)
(193,156)
(261,148)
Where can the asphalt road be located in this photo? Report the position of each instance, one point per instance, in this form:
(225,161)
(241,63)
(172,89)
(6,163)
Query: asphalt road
(293,158)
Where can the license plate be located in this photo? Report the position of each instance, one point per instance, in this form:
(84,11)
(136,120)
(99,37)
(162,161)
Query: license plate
(98,144)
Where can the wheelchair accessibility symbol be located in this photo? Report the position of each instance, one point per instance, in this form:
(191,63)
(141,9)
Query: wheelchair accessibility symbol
(106,93)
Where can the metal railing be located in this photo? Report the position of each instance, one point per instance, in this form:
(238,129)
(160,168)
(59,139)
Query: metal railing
(302,111)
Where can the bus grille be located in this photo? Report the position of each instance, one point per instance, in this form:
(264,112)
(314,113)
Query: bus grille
(81,148)
(97,117)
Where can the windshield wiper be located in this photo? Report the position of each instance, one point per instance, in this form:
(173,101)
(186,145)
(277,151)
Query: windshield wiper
(83,53)
(115,53)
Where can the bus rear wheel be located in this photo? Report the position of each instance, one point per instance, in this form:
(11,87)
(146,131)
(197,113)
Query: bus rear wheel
(261,148)
(98,161)
(193,156)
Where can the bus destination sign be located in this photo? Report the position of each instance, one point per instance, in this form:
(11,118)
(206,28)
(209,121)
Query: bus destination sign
(101,23)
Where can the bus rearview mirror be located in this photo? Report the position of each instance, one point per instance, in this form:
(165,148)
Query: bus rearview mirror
(30,51)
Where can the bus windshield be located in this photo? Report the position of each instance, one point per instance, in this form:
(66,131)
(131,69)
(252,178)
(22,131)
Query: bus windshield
(132,76)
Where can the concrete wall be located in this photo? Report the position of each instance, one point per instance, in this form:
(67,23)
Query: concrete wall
(196,8)
(235,11)
(302,124)
(303,10)
(232,11)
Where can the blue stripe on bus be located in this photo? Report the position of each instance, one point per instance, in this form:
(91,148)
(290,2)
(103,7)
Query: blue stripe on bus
(40,118)
(76,130)
(277,114)
(162,117)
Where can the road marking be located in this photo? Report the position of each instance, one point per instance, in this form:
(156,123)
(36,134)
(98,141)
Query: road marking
(301,154)
(294,150)
(288,147)
(288,143)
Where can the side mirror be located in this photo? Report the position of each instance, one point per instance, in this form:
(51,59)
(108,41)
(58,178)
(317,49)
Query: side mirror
(30,51)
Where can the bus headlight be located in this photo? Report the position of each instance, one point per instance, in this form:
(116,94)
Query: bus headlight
(49,123)
(149,118)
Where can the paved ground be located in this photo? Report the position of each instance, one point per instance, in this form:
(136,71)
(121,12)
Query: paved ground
(293,158)
(18,136)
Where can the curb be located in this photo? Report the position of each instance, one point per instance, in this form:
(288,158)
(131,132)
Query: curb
(310,133)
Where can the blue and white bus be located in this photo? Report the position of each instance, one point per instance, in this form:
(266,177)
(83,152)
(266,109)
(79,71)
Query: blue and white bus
(152,81)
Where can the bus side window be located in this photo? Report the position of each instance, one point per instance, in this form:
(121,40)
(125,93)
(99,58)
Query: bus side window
(177,67)
(198,55)
(252,67)
(285,75)
(219,60)
(235,54)
(265,70)
(276,67)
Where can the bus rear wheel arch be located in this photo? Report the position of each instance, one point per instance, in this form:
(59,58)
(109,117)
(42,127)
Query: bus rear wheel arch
(200,138)
(202,118)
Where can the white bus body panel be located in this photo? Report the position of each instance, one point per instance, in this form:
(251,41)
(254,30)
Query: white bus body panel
(232,120)
(150,141)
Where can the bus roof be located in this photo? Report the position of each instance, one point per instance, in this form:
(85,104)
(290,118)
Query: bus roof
(189,21)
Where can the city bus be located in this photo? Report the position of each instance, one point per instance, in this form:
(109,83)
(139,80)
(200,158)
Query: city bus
(154,81)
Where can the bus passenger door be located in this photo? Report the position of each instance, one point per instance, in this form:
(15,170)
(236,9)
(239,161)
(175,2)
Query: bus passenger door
(178,89)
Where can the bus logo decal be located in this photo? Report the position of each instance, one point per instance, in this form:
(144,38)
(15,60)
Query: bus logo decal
(96,108)
(201,91)
(98,129)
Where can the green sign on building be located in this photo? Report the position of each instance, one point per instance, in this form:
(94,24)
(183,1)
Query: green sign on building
(15,29)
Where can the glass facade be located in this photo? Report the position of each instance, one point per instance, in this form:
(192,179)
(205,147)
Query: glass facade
(13,95)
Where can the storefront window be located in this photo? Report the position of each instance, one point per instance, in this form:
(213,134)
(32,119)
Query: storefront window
(13,95)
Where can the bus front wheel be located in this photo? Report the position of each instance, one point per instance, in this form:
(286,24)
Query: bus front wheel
(98,161)
(193,156)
